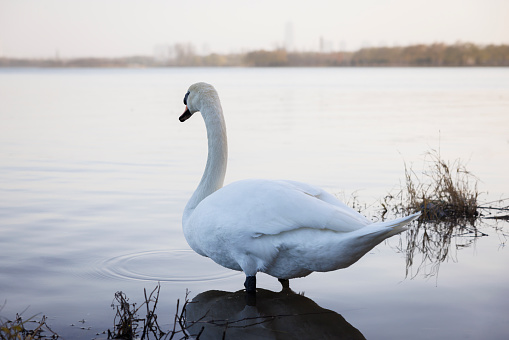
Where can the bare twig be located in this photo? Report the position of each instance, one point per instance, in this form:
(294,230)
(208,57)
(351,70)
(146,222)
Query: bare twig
(18,329)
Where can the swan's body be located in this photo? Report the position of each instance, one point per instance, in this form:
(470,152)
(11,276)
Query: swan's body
(286,229)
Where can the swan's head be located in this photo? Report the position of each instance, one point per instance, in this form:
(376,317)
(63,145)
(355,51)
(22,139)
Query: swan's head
(197,97)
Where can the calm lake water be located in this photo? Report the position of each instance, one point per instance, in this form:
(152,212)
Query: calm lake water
(95,170)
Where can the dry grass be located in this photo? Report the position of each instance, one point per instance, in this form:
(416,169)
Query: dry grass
(29,329)
(447,195)
(442,191)
(129,325)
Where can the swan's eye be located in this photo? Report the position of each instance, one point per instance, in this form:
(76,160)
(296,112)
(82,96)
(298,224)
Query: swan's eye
(185,98)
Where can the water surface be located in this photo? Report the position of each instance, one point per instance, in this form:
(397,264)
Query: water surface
(95,170)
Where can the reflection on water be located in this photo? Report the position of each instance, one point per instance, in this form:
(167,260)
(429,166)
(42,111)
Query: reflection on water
(283,315)
(230,315)
(427,244)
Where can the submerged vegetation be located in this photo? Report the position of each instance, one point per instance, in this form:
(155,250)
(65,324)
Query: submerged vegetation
(185,55)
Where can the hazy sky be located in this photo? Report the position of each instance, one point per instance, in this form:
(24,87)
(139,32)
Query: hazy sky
(41,28)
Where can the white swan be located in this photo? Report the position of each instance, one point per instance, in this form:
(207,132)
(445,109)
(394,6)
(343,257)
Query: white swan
(286,229)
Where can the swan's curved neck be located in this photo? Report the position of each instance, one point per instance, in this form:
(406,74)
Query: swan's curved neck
(215,170)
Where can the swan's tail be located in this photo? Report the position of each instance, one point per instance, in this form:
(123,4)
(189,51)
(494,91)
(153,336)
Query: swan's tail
(396,226)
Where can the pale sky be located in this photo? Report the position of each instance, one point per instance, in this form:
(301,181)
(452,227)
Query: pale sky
(109,28)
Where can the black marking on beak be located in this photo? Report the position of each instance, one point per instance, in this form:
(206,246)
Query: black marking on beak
(186,115)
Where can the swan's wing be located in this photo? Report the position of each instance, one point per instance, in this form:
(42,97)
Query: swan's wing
(320,207)
(262,207)
(323,195)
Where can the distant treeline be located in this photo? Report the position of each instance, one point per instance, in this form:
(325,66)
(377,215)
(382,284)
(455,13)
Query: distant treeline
(433,55)
(183,55)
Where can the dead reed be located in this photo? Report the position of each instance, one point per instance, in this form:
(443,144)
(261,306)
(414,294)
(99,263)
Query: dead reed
(446,194)
(443,190)
(129,325)
(29,329)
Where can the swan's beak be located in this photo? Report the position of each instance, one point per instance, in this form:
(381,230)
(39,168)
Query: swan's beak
(186,115)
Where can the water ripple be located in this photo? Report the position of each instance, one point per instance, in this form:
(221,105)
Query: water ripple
(162,265)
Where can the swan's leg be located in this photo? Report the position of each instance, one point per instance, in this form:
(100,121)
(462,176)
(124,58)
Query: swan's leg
(250,284)
(285,283)
(249,266)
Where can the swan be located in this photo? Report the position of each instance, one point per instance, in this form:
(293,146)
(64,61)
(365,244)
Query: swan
(283,228)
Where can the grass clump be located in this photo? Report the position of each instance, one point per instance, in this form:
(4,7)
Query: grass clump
(129,325)
(29,329)
(444,191)
(447,195)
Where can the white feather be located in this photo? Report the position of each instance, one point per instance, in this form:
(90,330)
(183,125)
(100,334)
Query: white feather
(286,229)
